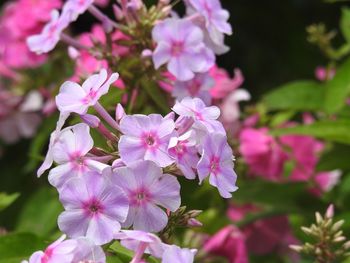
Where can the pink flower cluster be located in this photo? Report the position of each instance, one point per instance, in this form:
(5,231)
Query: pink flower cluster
(268,156)
(103,193)
(15,27)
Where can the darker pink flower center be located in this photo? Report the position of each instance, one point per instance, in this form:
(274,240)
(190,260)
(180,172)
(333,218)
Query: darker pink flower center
(139,197)
(194,87)
(214,165)
(181,148)
(150,140)
(47,255)
(90,96)
(177,48)
(93,207)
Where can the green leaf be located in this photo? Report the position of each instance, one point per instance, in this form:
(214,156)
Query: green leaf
(39,215)
(121,252)
(336,131)
(335,158)
(299,96)
(345,23)
(338,89)
(7,199)
(155,93)
(19,246)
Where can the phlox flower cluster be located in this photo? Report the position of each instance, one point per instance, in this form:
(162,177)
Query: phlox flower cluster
(129,194)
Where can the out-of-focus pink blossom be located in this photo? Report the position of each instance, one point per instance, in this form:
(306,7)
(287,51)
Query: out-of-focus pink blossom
(262,153)
(174,254)
(324,74)
(229,242)
(230,111)
(224,85)
(50,35)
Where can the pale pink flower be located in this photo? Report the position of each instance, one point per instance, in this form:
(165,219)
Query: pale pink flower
(147,188)
(74,8)
(180,46)
(217,163)
(60,251)
(230,111)
(50,35)
(146,138)
(175,254)
(205,118)
(75,98)
(94,208)
(70,154)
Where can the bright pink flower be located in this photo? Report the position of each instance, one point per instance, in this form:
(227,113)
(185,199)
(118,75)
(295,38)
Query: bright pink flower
(183,150)
(60,251)
(174,254)
(75,98)
(180,46)
(205,118)
(94,208)
(198,87)
(50,35)
(147,188)
(217,163)
(146,138)
(229,242)
(224,85)
(70,154)
(262,153)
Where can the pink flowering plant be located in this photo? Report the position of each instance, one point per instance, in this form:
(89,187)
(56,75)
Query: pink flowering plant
(146,149)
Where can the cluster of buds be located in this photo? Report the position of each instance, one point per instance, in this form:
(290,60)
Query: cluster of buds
(330,245)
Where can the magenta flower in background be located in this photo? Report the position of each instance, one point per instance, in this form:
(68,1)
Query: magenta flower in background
(94,208)
(198,87)
(229,242)
(217,163)
(50,35)
(70,155)
(132,239)
(54,138)
(183,150)
(75,98)
(147,188)
(324,74)
(60,251)
(262,153)
(146,138)
(215,22)
(180,46)
(174,254)
(205,118)
(74,8)
(224,85)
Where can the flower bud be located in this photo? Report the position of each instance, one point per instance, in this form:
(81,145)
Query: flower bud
(192,222)
(91,120)
(119,112)
(118,13)
(330,211)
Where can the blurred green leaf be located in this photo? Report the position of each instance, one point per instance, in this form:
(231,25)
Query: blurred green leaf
(336,131)
(39,215)
(156,94)
(345,23)
(7,199)
(121,252)
(18,246)
(299,96)
(335,158)
(338,89)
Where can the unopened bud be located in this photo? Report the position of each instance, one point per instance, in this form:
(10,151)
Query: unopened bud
(146,53)
(339,239)
(330,211)
(91,120)
(306,230)
(192,222)
(296,248)
(118,13)
(119,112)
(337,226)
(347,245)
(319,218)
